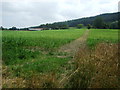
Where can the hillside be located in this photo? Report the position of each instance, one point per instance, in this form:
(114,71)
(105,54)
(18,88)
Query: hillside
(108,18)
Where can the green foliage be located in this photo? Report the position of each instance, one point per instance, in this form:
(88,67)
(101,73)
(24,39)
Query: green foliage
(42,64)
(12,50)
(119,23)
(2,28)
(89,26)
(80,26)
(114,25)
(53,26)
(98,23)
(13,28)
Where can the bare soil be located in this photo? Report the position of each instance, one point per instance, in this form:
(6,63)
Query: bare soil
(73,47)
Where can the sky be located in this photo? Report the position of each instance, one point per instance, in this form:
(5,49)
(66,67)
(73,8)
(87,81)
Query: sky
(26,13)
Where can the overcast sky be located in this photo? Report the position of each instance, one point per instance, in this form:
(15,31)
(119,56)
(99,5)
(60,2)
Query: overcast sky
(25,13)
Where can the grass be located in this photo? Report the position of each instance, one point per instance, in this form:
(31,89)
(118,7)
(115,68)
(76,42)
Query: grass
(43,64)
(26,53)
(45,39)
(18,44)
(102,35)
(31,59)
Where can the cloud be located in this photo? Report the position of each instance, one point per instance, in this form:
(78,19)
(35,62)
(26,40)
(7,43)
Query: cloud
(24,13)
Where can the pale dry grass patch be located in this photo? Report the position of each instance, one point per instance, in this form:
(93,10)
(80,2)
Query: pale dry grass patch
(96,68)
(106,65)
(35,81)
(43,81)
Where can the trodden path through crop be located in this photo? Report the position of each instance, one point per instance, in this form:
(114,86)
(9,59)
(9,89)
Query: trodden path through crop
(73,47)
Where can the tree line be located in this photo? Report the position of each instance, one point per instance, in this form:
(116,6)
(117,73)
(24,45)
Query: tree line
(99,23)
(54,26)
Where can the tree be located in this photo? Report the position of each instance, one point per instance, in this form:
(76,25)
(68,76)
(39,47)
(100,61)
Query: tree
(89,26)
(80,26)
(13,28)
(64,26)
(106,25)
(1,28)
(98,23)
(114,25)
(119,24)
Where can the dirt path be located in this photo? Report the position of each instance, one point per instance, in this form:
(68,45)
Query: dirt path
(73,47)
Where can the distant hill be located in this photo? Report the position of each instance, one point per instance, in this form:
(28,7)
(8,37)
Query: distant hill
(108,18)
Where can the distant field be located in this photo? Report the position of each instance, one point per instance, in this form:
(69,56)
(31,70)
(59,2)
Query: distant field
(102,35)
(45,39)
